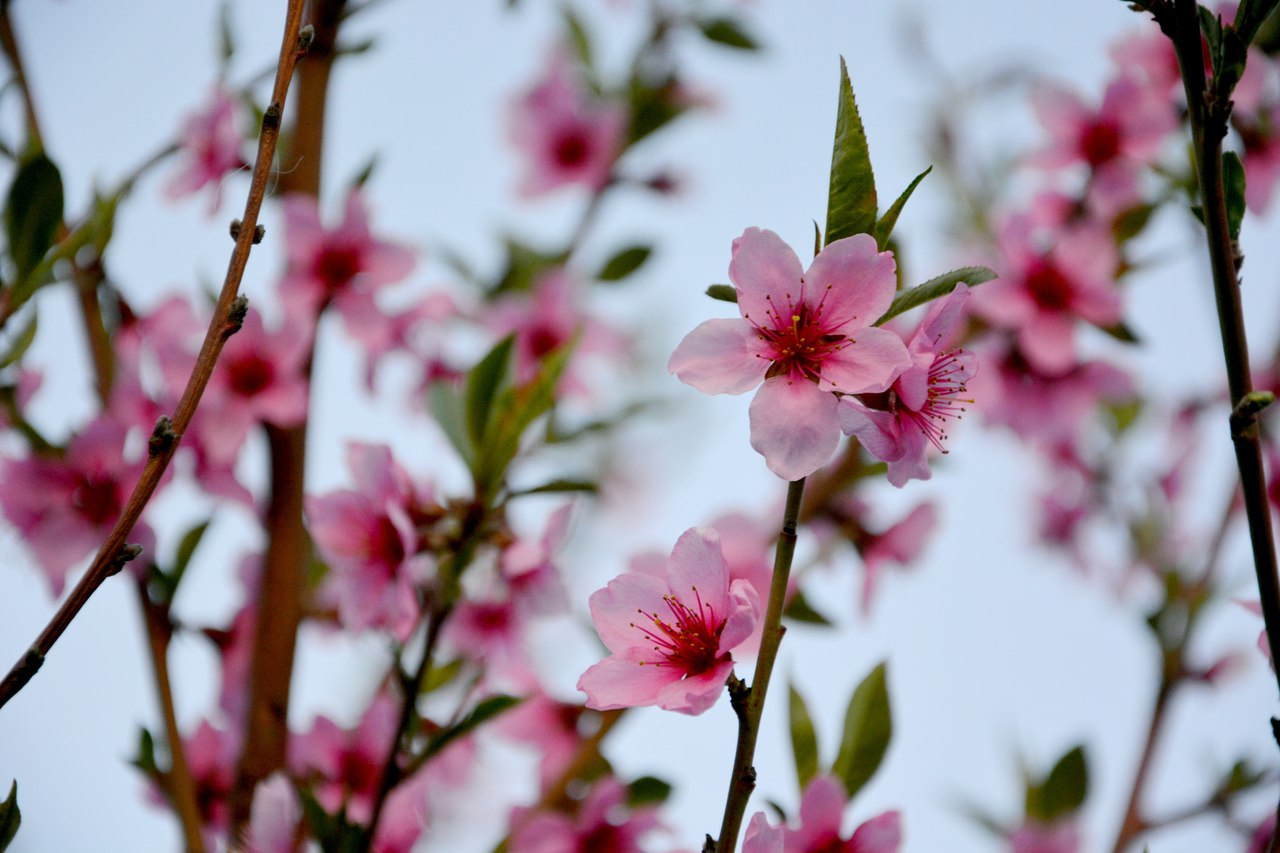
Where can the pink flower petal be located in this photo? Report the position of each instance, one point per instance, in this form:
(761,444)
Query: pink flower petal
(763,268)
(794,426)
(720,357)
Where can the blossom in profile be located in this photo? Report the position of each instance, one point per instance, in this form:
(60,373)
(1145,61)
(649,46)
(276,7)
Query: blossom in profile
(806,335)
(1062,836)
(671,637)
(210,145)
(761,837)
(821,814)
(273,817)
(901,424)
(569,134)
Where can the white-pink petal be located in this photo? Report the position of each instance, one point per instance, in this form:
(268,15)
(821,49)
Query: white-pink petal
(723,356)
(853,282)
(763,268)
(794,426)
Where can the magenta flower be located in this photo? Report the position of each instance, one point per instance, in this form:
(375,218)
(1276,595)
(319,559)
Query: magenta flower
(569,134)
(822,812)
(210,144)
(369,538)
(806,335)
(1050,279)
(671,637)
(603,824)
(344,266)
(64,506)
(1062,836)
(1131,124)
(898,427)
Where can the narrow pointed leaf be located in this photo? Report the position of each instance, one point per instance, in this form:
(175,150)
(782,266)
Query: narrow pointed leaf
(1233,184)
(483,384)
(804,741)
(20,342)
(728,32)
(851,199)
(484,711)
(624,263)
(723,292)
(10,817)
(1249,17)
(444,401)
(800,610)
(1063,791)
(935,288)
(885,226)
(578,37)
(33,213)
(868,727)
(560,486)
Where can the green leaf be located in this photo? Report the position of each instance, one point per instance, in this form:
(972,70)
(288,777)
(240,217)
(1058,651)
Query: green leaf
(33,213)
(723,292)
(804,741)
(186,550)
(444,401)
(1249,18)
(935,288)
(560,486)
(484,711)
(145,760)
(10,817)
(728,32)
(1132,222)
(484,382)
(851,199)
(1063,791)
(1211,27)
(648,791)
(1121,332)
(21,342)
(654,104)
(578,37)
(440,675)
(1233,184)
(624,263)
(226,34)
(884,227)
(525,265)
(868,727)
(800,610)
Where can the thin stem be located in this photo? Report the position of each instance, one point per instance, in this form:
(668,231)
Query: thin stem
(748,702)
(9,43)
(181,788)
(288,549)
(112,555)
(1134,825)
(1208,114)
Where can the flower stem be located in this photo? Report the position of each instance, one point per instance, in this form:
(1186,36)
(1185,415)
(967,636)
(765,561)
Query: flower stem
(748,702)
(112,555)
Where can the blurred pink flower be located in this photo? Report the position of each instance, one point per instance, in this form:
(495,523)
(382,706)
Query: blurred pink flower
(761,837)
(671,637)
(273,817)
(343,266)
(63,506)
(899,545)
(569,134)
(603,824)
(1063,836)
(369,537)
(1049,279)
(1131,124)
(807,335)
(821,814)
(899,426)
(210,143)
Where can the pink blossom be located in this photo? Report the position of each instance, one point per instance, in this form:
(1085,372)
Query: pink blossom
(1261,840)
(65,505)
(569,134)
(1131,123)
(761,837)
(1062,836)
(821,814)
(1148,55)
(900,545)
(670,638)
(603,824)
(343,266)
(545,318)
(747,546)
(530,571)
(369,537)
(807,335)
(899,426)
(549,726)
(1050,279)
(210,143)
(211,756)
(273,817)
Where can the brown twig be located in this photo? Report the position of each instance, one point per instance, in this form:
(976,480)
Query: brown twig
(113,551)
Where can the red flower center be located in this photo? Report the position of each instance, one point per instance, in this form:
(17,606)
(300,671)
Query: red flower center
(250,374)
(799,338)
(1049,288)
(385,546)
(97,499)
(689,640)
(571,148)
(946,384)
(1100,143)
(336,266)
